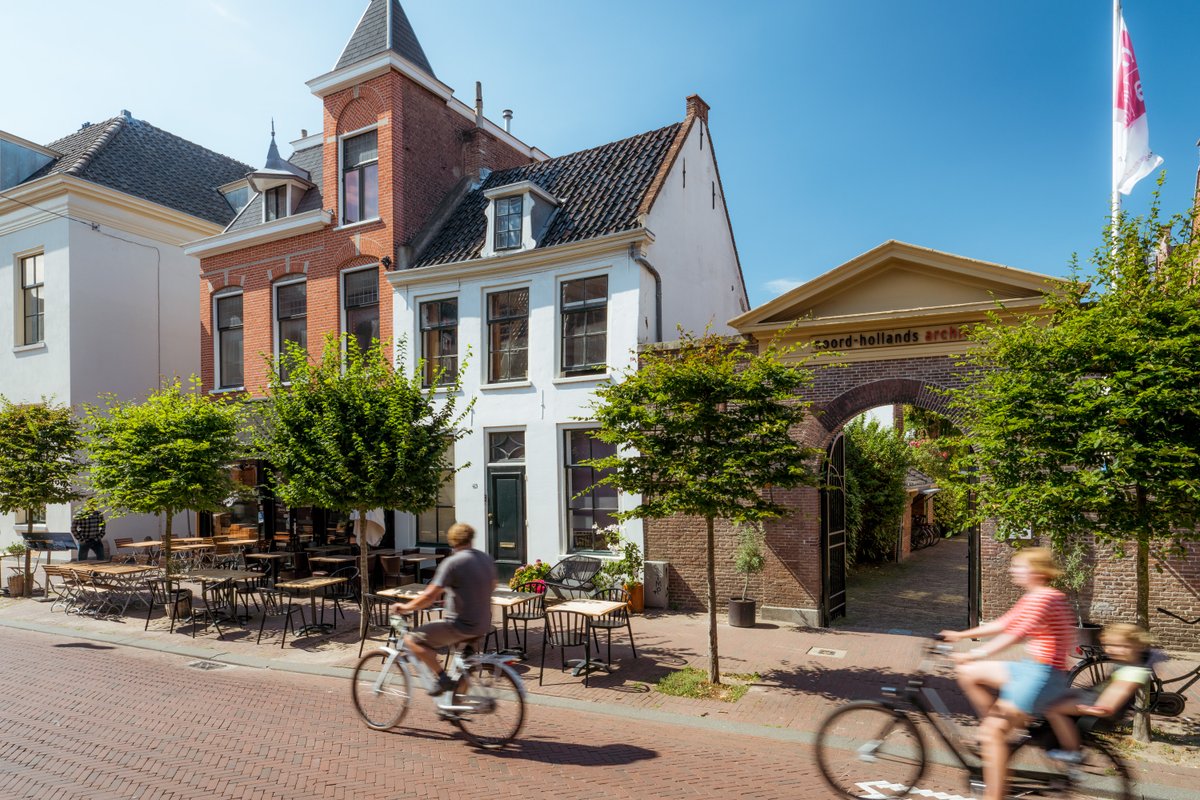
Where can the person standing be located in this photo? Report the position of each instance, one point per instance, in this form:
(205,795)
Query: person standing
(88,529)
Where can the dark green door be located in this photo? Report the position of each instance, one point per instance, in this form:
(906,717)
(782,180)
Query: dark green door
(506,518)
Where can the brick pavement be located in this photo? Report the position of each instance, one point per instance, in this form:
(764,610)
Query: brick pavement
(795,690)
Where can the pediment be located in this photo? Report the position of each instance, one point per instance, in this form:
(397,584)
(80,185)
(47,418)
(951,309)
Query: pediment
(897,280)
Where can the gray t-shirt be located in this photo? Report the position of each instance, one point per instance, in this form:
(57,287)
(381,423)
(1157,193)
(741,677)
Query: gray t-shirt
(468,576)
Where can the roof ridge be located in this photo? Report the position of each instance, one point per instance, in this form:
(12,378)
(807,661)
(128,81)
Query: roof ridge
(574,153)
(114,127)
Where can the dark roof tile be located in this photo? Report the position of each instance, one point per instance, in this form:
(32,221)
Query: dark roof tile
(372,36)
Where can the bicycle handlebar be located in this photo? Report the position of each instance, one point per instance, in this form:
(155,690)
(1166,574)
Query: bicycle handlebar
(1162,610)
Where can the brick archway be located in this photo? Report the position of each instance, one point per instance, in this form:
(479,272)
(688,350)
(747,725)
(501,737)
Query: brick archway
(889,391)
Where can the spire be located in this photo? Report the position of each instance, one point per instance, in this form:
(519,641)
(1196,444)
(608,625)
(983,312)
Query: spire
(276,163)
(384,26)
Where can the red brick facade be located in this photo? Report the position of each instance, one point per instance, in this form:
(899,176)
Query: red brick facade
(425,148)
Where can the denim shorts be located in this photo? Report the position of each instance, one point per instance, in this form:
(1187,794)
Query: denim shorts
(1033,687)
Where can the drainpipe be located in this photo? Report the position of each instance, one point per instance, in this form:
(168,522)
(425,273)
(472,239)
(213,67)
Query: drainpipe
(635,253)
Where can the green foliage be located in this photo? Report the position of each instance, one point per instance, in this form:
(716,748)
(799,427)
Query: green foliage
(350,433)
(690,682)
(1089,420)
(16,549)
(40,443)
(877,461)
(938,450)
(627,569)
(749,559)
(530,572)
(1074,560)
(705,429)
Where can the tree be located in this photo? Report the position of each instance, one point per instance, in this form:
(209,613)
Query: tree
(877,462)
(40,443)
(702,430)
(169,454)
(350,433)
(1089,422)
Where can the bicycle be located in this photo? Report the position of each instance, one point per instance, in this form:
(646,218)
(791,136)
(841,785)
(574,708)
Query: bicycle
(874,749)
(487,703)
(1095,668)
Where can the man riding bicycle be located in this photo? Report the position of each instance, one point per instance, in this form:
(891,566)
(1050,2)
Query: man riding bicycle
(469,577)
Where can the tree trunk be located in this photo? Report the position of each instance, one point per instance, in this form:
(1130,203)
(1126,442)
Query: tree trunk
(714,671)
(28,554)
(364,577)
(1141,719)
(166,548)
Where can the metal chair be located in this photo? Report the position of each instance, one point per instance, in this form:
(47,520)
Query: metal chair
(376,608)
(573,576)
(167,594)
(278,603)
(347,592)
(394,571)
(613,619)
(246,589)
(214,601)
(534,608)
(425,574)
(564,629)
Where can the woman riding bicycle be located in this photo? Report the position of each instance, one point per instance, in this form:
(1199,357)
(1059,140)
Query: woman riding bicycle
(1042,618)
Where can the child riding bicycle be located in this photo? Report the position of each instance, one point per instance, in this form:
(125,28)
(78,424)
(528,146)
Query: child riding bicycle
(1042,619)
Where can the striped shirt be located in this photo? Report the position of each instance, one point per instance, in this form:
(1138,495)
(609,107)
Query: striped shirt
(1043,618)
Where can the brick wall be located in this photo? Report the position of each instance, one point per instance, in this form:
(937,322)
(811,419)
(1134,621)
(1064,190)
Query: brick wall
(423,152)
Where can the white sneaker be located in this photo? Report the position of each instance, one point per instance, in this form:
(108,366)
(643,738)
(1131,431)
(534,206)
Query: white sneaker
(1066,756)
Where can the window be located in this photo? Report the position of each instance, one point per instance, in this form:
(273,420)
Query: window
(39,517)
(238,198)
(275,203)
(33,299)
(291,317)
(361,306)
(439,339)
(508,335)
(433,523)
(508,223)
(229,341)
(584,325)
(360,177)
(597,508)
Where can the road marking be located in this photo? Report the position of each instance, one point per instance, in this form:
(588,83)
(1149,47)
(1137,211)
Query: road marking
(875,792)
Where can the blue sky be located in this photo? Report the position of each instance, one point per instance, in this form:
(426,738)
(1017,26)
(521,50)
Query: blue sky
(978,128)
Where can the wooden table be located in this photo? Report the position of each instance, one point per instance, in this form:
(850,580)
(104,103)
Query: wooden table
(311,586)
(336,560)
(327,549)
(590,609)
(121,580)
(206,576)
(504,599)
(272,561)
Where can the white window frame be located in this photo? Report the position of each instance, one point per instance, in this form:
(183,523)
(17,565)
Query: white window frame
(19,299)
(486,339)
(559,280)
(416,334)
(343,322)
(287,202)
(341,189)
(277,344)
(216,339)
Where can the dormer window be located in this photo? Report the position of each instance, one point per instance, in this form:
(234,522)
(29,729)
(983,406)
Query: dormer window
(360,177)
(508,222)
(517,216)
(275,203)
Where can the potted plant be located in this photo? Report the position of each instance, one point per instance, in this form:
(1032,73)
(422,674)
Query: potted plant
(1076,573)
(16,582)
(624,571)
(531,573)
(748,560)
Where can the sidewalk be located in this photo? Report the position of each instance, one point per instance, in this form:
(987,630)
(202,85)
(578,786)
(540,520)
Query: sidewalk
(803,672)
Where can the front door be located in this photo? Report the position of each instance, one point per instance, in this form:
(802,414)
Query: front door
(833,534)
(506,500)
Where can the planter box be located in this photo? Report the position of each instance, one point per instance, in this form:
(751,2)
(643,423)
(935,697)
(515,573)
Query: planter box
(741,612)
(16,585)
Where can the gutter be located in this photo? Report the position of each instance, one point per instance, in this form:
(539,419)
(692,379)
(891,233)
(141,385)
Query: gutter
(635,253)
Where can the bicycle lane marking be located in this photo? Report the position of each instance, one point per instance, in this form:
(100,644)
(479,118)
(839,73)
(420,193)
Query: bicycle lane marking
(875,788)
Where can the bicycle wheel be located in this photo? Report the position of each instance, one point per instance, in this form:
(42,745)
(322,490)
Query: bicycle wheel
(1092,672)
(381,700)
(495,705)
(866,749)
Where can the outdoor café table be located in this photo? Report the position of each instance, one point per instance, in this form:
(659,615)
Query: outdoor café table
(334,561)
(205,577)
(272,561)
(504,599)
(311,586)
(592,609)
(150,547)
(327,549)
(121,580)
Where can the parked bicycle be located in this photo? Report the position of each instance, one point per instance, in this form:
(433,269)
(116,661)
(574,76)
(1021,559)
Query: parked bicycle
(1166,698)
(487,705)
(874,749)
(926,534)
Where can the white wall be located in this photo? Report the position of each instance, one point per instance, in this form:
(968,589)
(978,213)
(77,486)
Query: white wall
(693,248)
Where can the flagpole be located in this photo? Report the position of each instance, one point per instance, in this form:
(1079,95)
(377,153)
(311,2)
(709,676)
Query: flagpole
(1116,68)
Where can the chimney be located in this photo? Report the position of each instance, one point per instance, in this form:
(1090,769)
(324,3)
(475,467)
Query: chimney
(508,120)
(696,107)
(304,133)
(478,103)
(125,113)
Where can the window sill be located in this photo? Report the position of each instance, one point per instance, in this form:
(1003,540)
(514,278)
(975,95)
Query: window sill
(506,385)
(359,224)
(38,527)
(228,390)
(29,348)
(597,376)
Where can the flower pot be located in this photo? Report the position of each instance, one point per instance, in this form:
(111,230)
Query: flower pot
(16,586)
(637,598)
(741,612)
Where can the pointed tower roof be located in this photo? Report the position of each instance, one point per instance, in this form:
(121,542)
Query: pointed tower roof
(384,26)
(278,170)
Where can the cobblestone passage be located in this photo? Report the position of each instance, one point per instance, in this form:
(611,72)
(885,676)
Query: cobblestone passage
(87,720)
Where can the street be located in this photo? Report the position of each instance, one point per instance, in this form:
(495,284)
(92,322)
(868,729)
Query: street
(89,720)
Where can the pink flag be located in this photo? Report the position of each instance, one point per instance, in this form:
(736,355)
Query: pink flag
(1132,159)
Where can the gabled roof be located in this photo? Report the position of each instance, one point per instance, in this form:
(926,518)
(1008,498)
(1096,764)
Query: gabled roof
(135,157)
(384,26)
(599,192)
(309,162)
